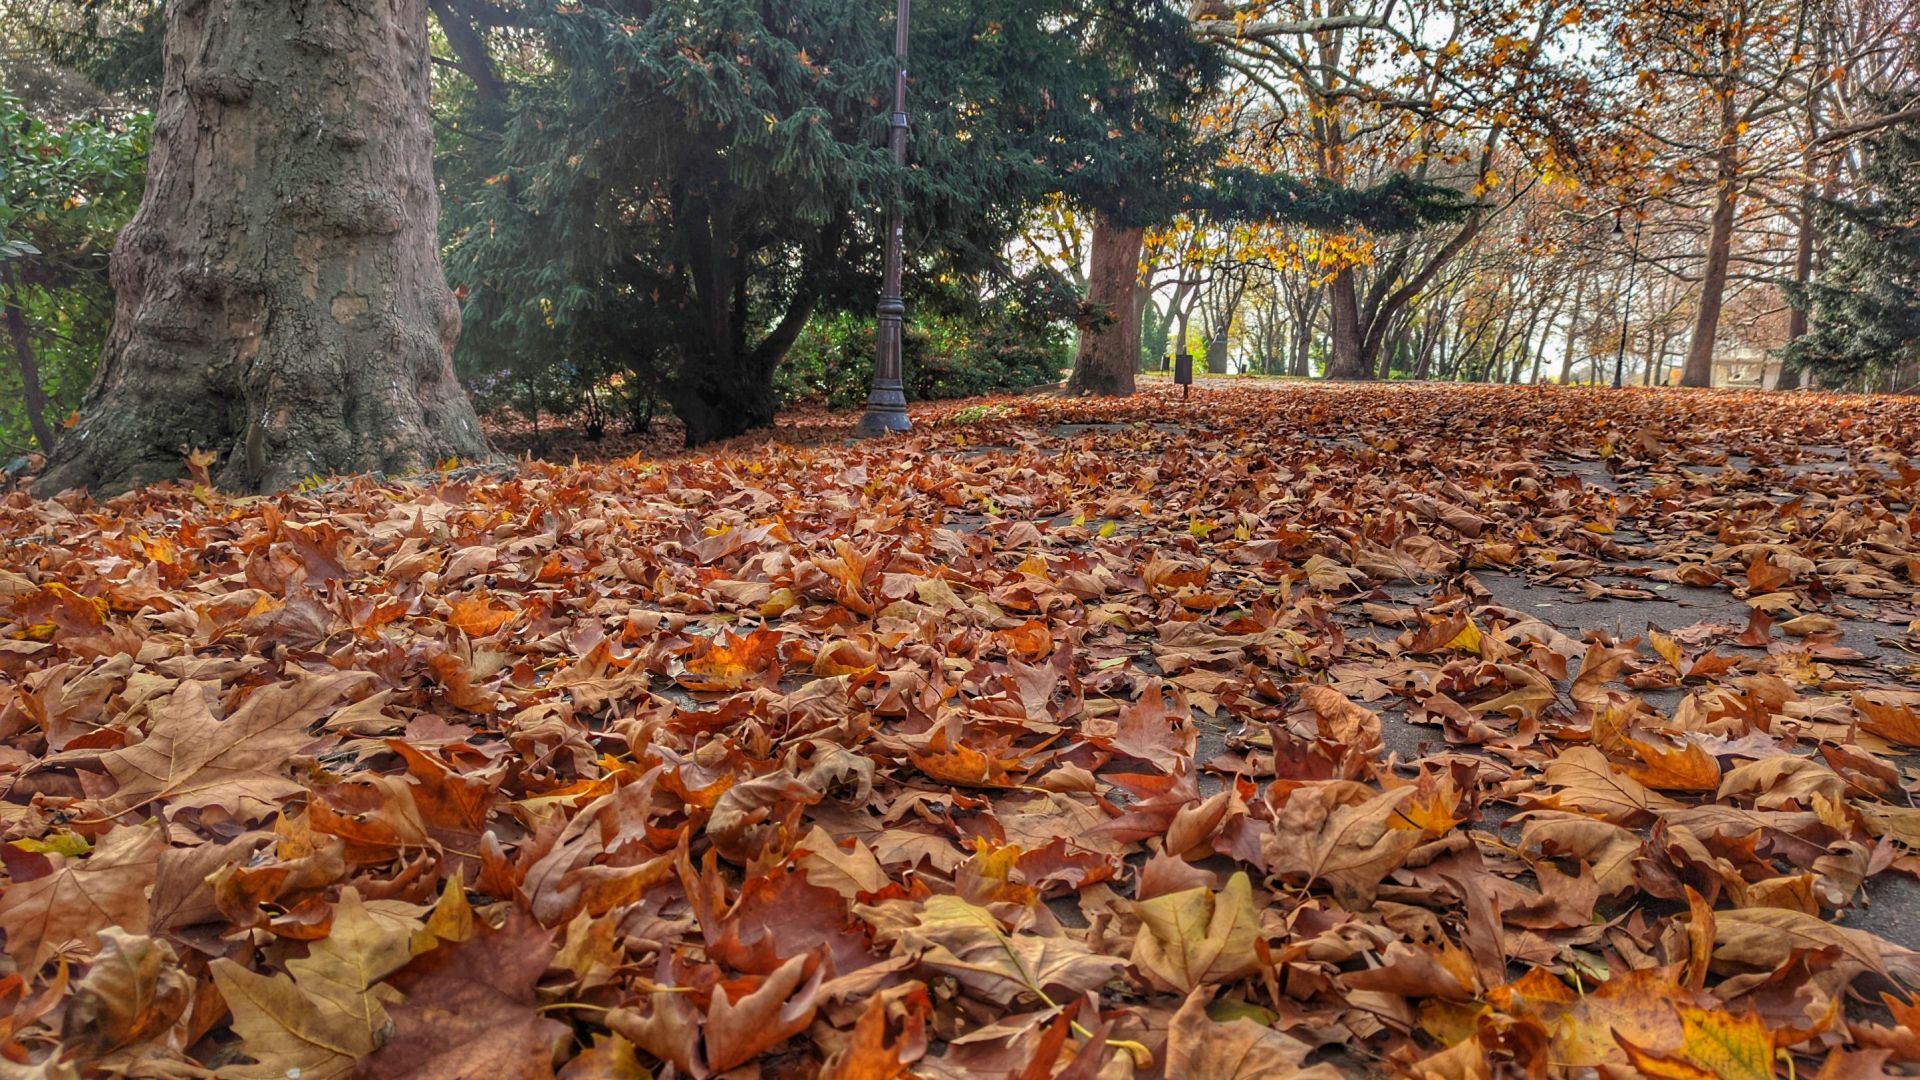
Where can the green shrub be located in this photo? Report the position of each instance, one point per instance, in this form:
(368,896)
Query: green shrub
(946,356)
(66,188)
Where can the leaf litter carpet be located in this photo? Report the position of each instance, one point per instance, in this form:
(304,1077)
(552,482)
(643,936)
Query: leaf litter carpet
(1300,731)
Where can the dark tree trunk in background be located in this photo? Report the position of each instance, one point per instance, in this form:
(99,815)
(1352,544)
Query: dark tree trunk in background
(720,400)
(1802,274)
(1349,360)
(1713,279)
(279,298)
(1713,289)
(724,385)
(1573,332)
(33,395)
(1110,350)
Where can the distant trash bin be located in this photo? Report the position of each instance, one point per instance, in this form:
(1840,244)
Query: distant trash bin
(1183,374)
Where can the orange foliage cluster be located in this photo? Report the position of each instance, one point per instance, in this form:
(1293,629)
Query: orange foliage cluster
(1009,749)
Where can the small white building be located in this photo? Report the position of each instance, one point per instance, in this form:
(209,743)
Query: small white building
(1745,367)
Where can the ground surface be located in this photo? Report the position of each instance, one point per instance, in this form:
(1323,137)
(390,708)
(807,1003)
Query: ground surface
(1291,730)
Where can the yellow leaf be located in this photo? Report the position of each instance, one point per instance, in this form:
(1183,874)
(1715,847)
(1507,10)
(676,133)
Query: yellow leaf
(329,1011)
(1717,1045)
(70,844)
(1468,639)
(1198,937)
(452,919)
(1668,649)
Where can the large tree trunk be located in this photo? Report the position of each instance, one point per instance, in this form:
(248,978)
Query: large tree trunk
(1110,350)
(279,294)
(718,400)
(1713,280)
(1349,360)
(32,395)
(1713,290)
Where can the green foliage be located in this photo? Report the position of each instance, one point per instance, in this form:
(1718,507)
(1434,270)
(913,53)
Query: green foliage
(65,191)
(944,356)
(980,414)
(1866,301)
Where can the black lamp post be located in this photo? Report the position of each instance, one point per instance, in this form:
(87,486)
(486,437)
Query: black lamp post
(1626,309)
(887,404)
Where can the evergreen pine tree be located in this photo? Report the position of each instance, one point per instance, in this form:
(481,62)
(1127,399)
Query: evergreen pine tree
(1866,300)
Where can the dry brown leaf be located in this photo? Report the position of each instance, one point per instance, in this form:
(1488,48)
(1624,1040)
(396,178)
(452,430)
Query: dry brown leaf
(969,944)
(1198,1048)
(191,758)
(78,898)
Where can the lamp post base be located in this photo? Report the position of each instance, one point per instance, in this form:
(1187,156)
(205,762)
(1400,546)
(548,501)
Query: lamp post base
(883,420)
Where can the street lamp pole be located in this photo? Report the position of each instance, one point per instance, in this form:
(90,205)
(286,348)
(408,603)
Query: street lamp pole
(887,404)
(1626,309)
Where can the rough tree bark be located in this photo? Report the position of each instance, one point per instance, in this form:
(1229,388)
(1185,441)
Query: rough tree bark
(279,294)
(1713,289)
(1110,350)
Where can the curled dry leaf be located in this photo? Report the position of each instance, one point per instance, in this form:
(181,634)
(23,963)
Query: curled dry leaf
(133,990)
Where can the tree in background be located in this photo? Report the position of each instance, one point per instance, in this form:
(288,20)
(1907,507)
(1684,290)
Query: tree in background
(1865,302)
(678,187)
(1465,93)
(1105,361)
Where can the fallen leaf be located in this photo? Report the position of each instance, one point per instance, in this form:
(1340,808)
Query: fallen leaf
(329,1010)
(1198,937)
(70,905)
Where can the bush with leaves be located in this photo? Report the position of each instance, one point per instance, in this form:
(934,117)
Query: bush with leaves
(65,191)
(944,356)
